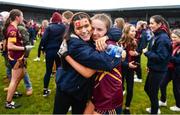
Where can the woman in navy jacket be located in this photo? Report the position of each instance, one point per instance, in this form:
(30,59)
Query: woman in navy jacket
(51,41)
(158,54)
(175,60)
(72,88)
(172,73)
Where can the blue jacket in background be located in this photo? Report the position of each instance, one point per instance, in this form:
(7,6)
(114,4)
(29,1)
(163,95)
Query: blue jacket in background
(32,33)
(83,52)
(142,41)
(53,36)
(114,34)
(159,52)
(176,61)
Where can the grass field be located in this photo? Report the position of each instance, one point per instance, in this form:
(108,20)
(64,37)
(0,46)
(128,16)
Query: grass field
(37,104)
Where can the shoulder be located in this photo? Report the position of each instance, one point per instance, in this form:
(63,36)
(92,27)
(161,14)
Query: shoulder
(21,28)
(61,26)
(164,37)
(56,27)
(11,28)
(75,40)
(11,31)
(114,34)
(144,32)
(75,43)
(164,40)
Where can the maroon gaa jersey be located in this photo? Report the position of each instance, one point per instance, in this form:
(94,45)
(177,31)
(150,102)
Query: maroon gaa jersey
(14,36)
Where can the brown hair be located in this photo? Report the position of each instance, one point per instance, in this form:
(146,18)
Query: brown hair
(176,32)
(12,16)
(76,16)
(67,14)
(120,22)
(104,18)
(126,39)
(159,19)
(141,24)
(45,23)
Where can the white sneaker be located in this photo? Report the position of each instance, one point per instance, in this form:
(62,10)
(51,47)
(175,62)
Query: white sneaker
(138,80)
(174,108)
(135,76)
(162,104)
(11,105)
(46,92)
(124,92)
(37,59)
(149,110)
(70,109)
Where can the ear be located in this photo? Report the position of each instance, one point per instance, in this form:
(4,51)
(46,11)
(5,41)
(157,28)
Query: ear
(17,17)
(160,24)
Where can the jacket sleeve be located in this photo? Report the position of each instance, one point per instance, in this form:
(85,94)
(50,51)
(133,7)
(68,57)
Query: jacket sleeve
(142,43)
(25,35)
(161,54)
(125,64)
(45,37)
(175,59)
(114,34)
(86,55)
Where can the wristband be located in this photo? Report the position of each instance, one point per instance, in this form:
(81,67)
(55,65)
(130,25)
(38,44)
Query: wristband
(65,54)
(24,48)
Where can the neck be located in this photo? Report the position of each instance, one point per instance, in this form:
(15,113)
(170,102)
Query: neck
(14,23)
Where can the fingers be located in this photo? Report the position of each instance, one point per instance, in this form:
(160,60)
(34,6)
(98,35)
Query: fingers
(131,65)
(145,50)
(101,45)
(123,54)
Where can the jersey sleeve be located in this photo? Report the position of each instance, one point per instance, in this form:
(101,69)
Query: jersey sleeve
(12,36)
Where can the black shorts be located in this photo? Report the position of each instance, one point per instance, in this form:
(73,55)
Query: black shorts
(15,64)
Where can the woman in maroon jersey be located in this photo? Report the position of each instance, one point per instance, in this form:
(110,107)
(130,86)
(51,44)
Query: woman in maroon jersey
(16,52)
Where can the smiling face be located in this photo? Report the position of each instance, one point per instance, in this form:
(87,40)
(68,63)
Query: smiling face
(154,25)
(20,18)
(175,38)
(83,29)
(99,29)
(132,32)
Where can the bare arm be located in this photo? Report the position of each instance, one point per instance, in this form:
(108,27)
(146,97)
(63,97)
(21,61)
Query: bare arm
(11,46)
(1,45)
(84,71)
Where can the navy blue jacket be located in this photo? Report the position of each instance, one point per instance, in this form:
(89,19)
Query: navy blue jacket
(176,61)
(70,80)
(142,43)
(53,36)
(114,34)
(32,33)
(159,52)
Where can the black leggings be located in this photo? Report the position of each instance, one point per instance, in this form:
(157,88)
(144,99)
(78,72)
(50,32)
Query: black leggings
(163,86)
(39,49)
(49,66)
(152,86)
(63,101)
(176,88)
(138,69)
(130,84)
